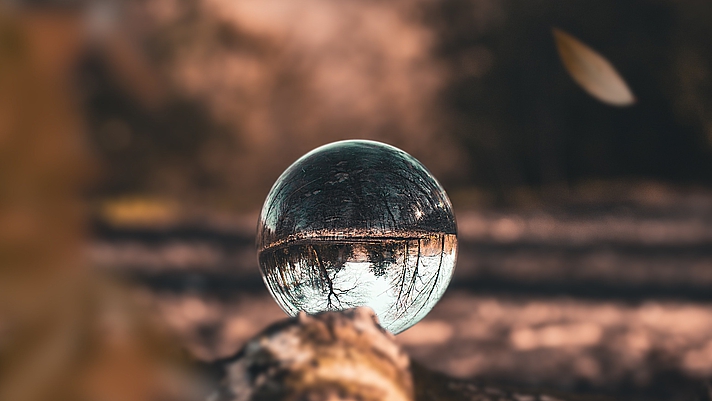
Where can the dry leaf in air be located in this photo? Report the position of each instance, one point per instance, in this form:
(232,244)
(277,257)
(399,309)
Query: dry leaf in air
(592,71)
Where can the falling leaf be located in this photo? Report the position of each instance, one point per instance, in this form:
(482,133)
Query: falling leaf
(592,71)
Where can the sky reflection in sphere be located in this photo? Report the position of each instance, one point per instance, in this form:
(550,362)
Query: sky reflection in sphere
(358,223)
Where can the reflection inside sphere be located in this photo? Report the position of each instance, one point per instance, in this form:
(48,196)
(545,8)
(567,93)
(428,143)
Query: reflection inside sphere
(358,223)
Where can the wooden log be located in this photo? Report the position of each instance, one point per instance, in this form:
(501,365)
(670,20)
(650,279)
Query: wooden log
(330,356)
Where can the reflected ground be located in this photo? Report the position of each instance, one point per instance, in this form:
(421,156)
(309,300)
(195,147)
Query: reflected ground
(601,294)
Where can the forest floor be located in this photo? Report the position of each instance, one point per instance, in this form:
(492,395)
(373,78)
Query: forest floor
(597,296)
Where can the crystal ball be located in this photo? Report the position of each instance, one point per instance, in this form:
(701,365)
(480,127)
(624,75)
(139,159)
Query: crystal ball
(358,223)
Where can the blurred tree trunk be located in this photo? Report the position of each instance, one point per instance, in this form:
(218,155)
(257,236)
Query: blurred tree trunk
(65,334)
(42,166)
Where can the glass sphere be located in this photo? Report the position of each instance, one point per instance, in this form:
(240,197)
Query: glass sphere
(358,223)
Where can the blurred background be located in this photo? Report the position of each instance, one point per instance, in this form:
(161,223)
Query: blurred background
(139,138)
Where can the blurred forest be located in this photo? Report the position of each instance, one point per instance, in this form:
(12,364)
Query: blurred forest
(231,93)
(139,138)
